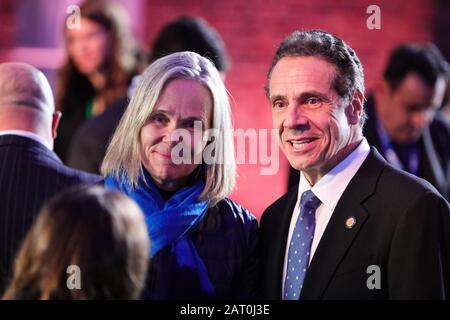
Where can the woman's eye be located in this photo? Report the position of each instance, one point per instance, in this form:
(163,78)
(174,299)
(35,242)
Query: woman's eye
(190,124)
(159,118)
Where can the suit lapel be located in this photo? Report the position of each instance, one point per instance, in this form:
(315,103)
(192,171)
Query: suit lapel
(337,239)
(431,167)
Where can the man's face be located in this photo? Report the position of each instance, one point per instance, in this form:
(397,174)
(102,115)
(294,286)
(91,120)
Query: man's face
(406,111)
(315,125)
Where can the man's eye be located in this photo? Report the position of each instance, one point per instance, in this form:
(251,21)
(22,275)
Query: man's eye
(278,104)
(312,101)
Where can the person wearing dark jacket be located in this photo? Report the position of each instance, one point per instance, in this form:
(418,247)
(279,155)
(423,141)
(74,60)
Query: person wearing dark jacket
(30,172)
(404,121)
(354,227)
(173,154)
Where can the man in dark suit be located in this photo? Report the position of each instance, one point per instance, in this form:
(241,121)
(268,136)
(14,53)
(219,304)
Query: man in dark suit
(354,227)
(404,123)
(30,173)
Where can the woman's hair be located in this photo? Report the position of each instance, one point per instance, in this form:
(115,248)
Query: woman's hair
(121,62)
(123,159)
(100,232)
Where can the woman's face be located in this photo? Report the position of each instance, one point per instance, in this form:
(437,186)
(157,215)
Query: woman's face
(88,46)
(182,107)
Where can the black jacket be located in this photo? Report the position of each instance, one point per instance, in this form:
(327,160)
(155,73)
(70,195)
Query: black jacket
(90,141)
(402,227)
(227,242)
(29,175)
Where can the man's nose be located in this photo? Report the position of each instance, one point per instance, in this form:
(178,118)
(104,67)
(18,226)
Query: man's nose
(295,118)
(420,119)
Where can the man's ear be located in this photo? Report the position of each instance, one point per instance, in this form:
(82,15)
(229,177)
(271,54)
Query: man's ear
(355,108)
(55,122)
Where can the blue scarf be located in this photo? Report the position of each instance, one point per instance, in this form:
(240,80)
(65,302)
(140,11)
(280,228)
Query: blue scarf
(170,222)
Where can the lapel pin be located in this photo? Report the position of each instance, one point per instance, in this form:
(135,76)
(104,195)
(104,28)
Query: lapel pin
(350,222)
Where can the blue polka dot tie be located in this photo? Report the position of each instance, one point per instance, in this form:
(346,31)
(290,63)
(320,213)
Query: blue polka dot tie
(300,246)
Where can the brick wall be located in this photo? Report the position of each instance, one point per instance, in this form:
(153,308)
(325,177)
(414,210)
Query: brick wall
(7,23)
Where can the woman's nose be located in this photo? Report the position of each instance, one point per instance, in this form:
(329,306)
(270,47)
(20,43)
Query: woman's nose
(169,134)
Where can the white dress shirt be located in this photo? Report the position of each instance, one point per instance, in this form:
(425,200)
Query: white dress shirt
(27,134)
(329,190)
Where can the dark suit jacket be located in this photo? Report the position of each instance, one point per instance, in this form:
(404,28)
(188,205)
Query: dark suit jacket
(403,227)
(29,175)
(89,144)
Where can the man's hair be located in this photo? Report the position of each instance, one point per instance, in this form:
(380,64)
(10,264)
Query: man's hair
(191,34)
(349,75)
(424,59)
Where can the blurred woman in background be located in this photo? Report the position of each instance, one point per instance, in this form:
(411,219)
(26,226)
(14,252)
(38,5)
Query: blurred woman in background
(102,57)
(100,232)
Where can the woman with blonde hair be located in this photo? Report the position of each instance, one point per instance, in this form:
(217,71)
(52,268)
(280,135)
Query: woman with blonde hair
(87,243)
(164,156)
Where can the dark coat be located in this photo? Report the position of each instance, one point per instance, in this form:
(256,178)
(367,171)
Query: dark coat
(29,175)
(227,242)
(402,226)
(90,141)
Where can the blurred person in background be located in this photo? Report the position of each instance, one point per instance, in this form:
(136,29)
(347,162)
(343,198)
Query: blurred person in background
(404,120)
(87,243)
(30,172)
(102,57)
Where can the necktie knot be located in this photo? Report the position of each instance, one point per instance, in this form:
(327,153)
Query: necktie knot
(309,202)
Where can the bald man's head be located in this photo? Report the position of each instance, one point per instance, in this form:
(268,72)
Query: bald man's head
(23,85)
(26,101)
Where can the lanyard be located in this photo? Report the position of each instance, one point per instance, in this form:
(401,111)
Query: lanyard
(391,156)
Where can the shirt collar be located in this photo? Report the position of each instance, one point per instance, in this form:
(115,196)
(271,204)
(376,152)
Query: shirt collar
(27,134)
(330,187)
